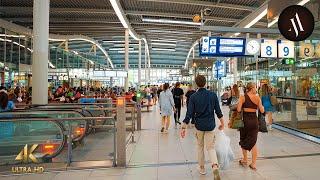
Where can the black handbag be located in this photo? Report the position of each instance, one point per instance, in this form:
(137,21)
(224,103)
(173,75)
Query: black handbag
(262,123)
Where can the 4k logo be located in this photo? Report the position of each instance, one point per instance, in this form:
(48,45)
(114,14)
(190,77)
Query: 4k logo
(296,23)
(26,154)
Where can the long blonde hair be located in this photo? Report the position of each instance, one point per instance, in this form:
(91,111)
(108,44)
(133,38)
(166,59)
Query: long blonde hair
(250,86)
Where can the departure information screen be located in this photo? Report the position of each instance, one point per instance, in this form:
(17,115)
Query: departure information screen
(220,46)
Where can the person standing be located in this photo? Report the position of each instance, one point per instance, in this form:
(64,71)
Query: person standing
(166,105)
(177,93)
(266,103)
(188,95)
(234,100)
(159,91)
(202,106)
(249,104)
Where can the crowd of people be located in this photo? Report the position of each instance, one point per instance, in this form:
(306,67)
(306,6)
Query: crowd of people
(202,103)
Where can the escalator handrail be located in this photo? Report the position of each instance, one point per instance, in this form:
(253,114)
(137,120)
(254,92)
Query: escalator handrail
(54,119)
(298,99)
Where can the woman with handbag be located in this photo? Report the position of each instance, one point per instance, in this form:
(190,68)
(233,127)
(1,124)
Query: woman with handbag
(267,104)
(249,104)
(235,94)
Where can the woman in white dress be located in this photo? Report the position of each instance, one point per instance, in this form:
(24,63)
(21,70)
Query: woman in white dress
(166,107)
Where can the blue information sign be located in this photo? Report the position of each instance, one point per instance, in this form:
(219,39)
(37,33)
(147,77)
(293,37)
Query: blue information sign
(221,46)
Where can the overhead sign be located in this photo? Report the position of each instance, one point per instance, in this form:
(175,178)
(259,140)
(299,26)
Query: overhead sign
(268,48)
(285,49)
(296,23)
(306,50)
(219,46)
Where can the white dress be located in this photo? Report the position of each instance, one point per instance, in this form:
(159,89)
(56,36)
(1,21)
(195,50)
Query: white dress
(166,103)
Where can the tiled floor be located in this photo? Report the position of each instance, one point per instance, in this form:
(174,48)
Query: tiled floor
(167,156)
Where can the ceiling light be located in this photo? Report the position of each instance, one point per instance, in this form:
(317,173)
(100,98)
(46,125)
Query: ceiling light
(303,2)
(119,49)
(162,49)
(113,41)
(116,8)
(255,20)
(273,22)
(169,21)
(75,52)
(169,32)
(163,44)
(164,40)
(7,35)
(122,52)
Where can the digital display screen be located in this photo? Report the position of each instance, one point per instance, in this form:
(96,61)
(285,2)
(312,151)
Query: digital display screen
(219,46)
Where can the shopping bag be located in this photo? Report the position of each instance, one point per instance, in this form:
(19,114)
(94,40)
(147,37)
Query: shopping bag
(273,100)
(225,154)
(262,123)
(236,120)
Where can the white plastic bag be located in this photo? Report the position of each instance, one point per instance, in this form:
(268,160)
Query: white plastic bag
(224,152)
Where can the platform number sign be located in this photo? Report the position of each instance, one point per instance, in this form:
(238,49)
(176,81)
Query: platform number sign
(285,49)
(306,50)
(268,48)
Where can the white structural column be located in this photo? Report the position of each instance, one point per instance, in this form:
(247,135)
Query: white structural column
(193,53)
(145,65)
(139,65)
(40,51)
(126,59)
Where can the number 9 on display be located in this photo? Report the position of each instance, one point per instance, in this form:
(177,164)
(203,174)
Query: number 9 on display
(286,49)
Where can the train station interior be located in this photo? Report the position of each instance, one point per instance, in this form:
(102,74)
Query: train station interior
(122,89)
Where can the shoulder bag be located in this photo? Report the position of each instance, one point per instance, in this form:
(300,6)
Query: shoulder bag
(273,100)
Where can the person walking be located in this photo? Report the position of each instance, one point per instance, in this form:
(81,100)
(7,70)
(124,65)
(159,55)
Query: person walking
(234,100)
(202,106)
(249,104)
(177,93)
(189,93)
(166,104)
(266,102)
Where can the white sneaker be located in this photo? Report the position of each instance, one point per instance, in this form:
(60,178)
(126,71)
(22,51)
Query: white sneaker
(202,171)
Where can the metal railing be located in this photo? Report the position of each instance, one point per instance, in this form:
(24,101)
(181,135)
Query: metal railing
(299,115)
(131,109)
(68,132)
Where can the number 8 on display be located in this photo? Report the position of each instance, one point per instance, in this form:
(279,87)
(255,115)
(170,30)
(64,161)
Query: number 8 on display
(269,50)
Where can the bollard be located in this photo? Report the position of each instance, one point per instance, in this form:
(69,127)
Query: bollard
(121,132)
(138,113)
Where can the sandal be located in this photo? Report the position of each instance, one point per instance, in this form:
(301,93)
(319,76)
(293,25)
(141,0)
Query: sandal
(253,168)
(242,163)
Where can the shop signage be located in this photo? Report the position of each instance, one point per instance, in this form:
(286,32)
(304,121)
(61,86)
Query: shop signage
(306,50)
(285,49)
(268,48)
(296,23)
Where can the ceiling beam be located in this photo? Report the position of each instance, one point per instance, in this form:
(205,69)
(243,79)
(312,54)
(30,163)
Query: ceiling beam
(161,14)
(205,3)
(57,10)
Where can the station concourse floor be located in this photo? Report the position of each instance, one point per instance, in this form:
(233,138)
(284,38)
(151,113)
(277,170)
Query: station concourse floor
(166,156)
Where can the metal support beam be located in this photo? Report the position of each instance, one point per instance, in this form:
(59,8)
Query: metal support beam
(139,65)
(126,60)
(239,29)
(205,3)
